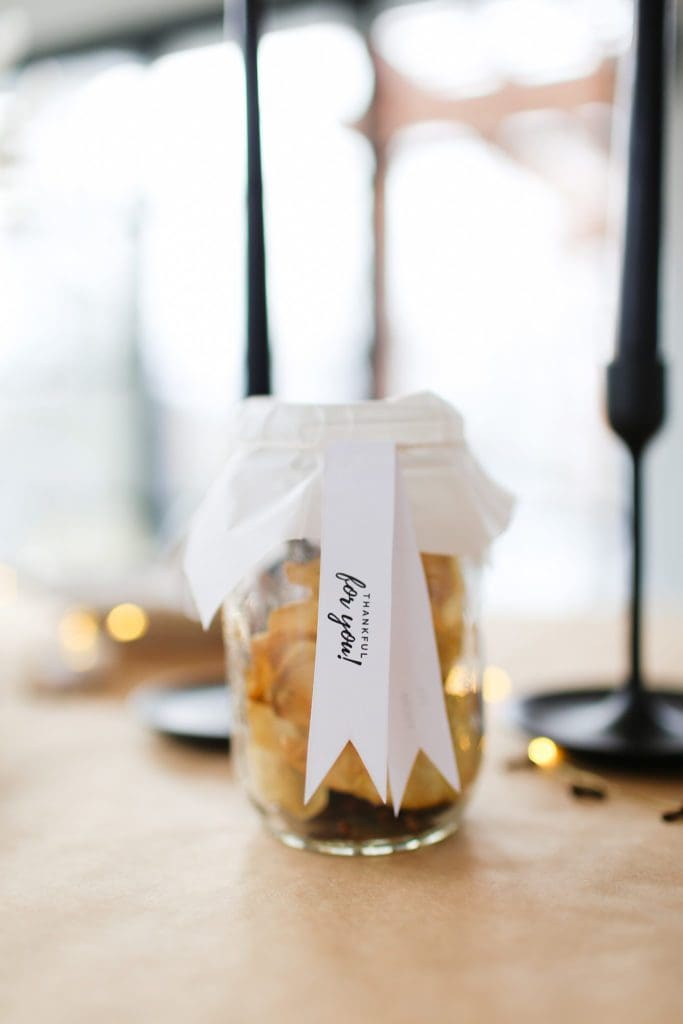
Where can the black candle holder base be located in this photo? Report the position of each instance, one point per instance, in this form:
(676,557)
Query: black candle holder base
(640,731)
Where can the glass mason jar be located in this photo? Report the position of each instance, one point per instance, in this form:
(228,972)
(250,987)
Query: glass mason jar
(270,623)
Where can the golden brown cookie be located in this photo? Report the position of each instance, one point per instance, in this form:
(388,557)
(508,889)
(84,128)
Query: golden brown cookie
(274,783)
(262,725)
(426,786)
(349,775)
(463,716)
(304,574)
(292,687)
(287,625)
(446,595)
(260,674)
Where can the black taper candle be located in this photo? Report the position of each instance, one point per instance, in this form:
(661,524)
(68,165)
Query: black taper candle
(258,350)
(635,386)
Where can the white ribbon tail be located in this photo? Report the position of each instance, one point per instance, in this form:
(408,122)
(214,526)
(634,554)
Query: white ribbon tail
(418,719)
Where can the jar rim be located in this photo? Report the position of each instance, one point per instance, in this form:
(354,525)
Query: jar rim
(418,419)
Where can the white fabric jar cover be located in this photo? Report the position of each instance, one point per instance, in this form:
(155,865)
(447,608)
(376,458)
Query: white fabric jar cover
(270,489)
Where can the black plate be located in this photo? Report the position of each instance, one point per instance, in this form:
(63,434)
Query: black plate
(198,713)
(591,725)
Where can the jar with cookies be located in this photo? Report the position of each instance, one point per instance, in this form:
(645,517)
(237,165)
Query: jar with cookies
(344,545)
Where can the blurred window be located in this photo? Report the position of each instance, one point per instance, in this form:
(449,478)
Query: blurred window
(436,197)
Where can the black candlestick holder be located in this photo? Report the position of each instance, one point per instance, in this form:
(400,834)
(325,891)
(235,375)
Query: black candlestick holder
(633,727)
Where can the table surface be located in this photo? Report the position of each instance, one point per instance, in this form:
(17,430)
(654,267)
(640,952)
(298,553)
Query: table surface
(136,884)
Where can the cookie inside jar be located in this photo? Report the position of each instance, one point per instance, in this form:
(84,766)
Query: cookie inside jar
(275,663)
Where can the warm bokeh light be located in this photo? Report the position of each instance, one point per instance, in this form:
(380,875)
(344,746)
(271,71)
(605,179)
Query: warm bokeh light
(543,752)
(497,684)
(460,680)
(79,633)
(127,622)
(8,586)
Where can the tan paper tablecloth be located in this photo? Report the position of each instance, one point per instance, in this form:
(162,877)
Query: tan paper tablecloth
(137,885)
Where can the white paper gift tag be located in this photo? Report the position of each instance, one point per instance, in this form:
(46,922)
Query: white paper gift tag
(377,681)
(352,659)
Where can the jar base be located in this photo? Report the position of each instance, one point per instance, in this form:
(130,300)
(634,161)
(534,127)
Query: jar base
(378,847)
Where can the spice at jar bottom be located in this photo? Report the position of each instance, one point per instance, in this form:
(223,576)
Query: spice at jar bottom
(270,632)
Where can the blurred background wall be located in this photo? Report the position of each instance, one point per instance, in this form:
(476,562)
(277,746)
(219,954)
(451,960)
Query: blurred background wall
(444,186)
